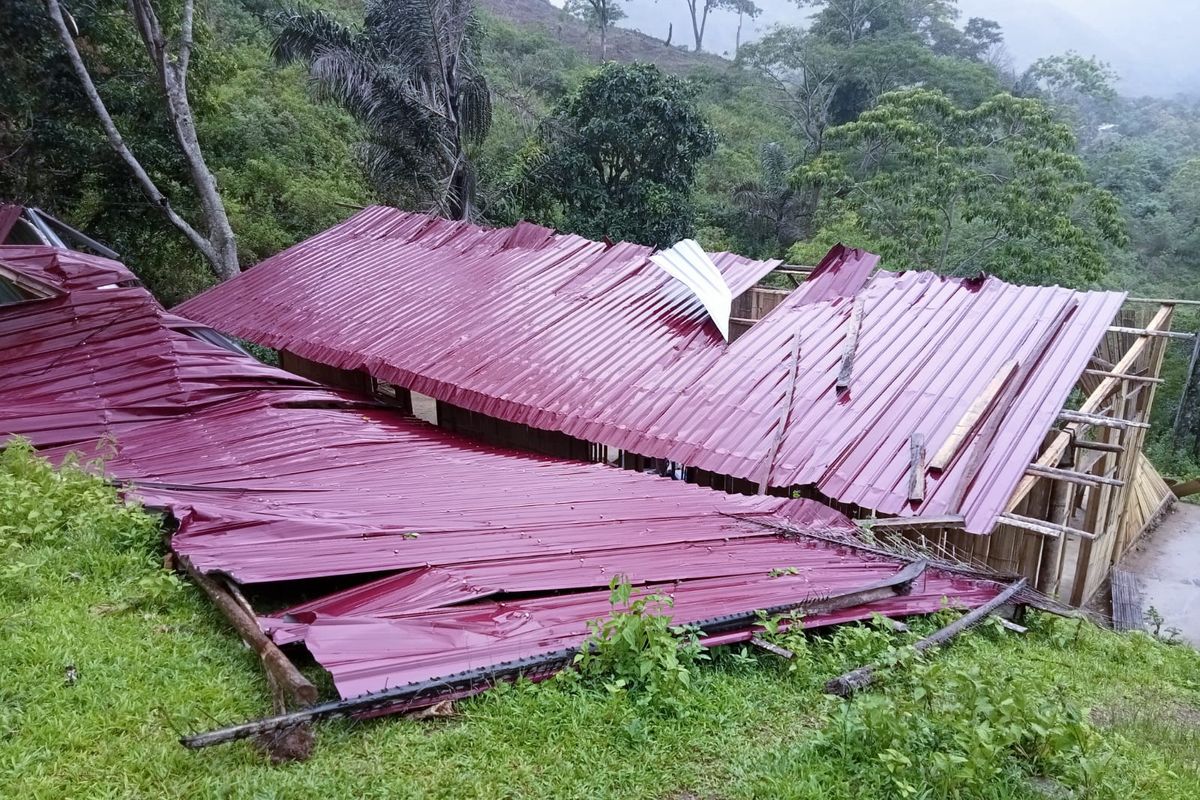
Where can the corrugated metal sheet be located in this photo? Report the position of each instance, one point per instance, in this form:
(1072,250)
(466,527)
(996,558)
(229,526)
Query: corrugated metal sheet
(9,214)
(273,480)
(563,334)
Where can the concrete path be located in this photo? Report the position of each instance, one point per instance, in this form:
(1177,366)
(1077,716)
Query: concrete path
(1167,566)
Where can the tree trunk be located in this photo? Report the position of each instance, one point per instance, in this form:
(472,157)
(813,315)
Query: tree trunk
(697,27)
(737,39)
(218,245)
(604,42)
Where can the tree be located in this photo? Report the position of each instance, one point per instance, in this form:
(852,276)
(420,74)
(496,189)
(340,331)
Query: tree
(618,158)
(409,77)
(700,9)
(600,15)
(744,8)
(171,61)
(772,204)
(997,188)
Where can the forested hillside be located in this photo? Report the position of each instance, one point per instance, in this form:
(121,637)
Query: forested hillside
(893,127)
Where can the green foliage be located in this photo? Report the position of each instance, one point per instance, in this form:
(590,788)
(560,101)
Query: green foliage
(107,659)
(409,76)
(618,158)
(637,650)
(996,188)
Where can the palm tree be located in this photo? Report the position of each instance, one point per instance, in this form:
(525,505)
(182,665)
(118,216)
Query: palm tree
(772,204)
(408,75)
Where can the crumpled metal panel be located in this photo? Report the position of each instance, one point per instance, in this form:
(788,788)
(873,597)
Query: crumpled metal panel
(687,263)
(563,334)
(273,479)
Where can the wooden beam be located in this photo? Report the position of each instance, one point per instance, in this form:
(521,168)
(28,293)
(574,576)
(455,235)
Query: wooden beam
(273,660)
(1106,374)
(1099,420)
(1162,301)
(1053,452)
(856,315)
(774,649)
(1046,528)
(785,412)
(970,419)
(917,523)
(1151,332)
(1070,476)
(850,682)
(1088,444)
(916,467)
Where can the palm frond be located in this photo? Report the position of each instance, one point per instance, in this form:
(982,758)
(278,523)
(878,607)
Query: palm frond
(300,35)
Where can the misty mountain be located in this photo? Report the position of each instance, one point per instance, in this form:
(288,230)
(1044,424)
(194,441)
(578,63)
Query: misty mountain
(1151,43)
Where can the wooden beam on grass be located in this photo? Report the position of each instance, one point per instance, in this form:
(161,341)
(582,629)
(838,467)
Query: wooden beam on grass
(774,649)
(279,666)
(848,683)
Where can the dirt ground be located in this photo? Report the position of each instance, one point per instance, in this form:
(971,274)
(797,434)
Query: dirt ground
(1167,566)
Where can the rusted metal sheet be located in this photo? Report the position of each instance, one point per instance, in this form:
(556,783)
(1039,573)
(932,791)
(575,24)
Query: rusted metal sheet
(458,554)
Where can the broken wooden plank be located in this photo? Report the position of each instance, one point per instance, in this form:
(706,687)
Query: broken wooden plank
(856,315)
(916,467)
(850,682)
(970,419)
(774,649)
(1009,625)
(1071,476)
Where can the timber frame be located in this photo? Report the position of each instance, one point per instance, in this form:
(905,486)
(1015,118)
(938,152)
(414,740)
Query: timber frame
(1091,492)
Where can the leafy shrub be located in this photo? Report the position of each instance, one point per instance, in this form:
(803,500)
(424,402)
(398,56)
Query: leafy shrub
(72,506)
(637,650)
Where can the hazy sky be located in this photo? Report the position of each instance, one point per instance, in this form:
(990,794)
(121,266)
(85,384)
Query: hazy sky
(1153,44)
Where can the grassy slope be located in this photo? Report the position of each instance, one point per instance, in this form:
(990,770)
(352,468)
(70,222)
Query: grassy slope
(81,586)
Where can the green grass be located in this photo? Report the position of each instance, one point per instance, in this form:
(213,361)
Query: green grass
(81,585)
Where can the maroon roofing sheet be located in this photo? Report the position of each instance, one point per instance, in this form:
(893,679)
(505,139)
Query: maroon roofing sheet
(458,555)
(563,334)
(9,214)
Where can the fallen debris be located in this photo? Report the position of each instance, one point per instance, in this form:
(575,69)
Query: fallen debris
(851,682)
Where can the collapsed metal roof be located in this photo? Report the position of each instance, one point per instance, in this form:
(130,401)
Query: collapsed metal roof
(465,555)
(559,333)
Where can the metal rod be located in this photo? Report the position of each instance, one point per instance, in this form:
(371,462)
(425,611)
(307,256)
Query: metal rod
(1125,377)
